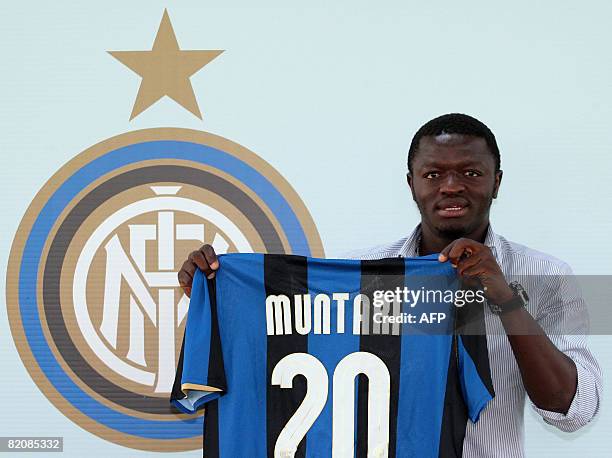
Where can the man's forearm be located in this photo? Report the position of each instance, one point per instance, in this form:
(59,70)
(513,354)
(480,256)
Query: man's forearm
(549,376)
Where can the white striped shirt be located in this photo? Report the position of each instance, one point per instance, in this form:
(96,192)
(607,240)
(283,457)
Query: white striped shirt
(555,305)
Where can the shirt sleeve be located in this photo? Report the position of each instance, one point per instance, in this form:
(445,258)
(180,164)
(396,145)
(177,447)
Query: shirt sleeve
(563,316)
(200,374)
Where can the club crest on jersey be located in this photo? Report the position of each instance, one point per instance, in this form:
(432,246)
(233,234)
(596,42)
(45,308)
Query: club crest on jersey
(93,299)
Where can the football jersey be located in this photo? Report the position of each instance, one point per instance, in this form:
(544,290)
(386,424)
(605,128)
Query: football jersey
(296,356)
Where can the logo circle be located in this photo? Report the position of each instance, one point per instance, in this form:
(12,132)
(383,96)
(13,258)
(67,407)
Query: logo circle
(92,295)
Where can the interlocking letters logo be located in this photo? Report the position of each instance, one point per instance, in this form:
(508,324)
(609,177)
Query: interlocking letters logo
(93,299)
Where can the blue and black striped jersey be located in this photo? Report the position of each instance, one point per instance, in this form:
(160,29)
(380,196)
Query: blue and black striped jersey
(297,356)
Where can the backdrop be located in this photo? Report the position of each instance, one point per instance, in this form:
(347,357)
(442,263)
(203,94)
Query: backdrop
(329,94)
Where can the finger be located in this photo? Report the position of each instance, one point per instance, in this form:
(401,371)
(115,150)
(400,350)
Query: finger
(464,248)
(468,262)
(185,281)
(456,249)
(443,257)
(476,271)
(210,255)
(197,258)
(184,278)
(189,268)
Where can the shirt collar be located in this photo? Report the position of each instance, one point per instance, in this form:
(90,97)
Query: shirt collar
(410,248)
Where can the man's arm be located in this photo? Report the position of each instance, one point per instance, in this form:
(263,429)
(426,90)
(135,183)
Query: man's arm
(204,259)
(559,377)
(550,377)
(563,316)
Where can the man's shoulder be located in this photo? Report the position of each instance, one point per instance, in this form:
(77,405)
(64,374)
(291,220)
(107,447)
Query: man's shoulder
(523,254)
(386,250)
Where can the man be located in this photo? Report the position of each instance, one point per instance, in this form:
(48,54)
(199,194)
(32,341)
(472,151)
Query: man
(454,174)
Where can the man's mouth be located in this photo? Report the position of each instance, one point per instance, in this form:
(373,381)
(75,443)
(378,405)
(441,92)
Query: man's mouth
(452,210)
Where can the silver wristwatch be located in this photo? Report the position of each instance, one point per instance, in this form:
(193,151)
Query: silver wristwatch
(520,299)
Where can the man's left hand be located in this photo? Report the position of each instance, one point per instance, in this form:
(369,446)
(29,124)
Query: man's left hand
(477,266)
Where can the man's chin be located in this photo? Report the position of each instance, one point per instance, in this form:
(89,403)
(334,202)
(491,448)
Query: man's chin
(452,231)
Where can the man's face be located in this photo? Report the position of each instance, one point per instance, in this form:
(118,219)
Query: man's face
(453,183)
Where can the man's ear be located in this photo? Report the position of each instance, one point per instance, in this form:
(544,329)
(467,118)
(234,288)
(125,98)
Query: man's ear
(409,180)
(498,178)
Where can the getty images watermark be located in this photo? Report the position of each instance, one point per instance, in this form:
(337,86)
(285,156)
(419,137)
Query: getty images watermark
(385,304)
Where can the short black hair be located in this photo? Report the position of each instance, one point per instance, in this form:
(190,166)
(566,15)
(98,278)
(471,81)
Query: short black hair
(454,123)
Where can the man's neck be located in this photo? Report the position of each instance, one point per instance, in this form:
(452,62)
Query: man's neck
(432,242)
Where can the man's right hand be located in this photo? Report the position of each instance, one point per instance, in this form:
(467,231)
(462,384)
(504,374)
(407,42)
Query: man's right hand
(204,259)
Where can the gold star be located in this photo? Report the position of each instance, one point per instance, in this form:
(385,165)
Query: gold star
(165,70)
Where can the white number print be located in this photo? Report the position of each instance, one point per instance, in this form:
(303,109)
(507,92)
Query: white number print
(310,408)
(378,404)
(343,423)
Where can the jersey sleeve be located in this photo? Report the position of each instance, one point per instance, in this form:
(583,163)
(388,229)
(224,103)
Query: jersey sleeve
(474,373)
(200,374)
(473,359)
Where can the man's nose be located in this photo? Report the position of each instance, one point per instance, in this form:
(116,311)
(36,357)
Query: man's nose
(452,184)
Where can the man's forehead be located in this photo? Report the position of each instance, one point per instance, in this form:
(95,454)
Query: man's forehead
(446,138)
(452,139)
(455,147)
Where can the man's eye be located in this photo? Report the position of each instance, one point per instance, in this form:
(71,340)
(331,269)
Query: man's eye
(473,173)
(430,175)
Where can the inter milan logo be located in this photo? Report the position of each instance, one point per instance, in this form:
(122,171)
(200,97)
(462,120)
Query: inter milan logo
(143,276)
(93,296)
